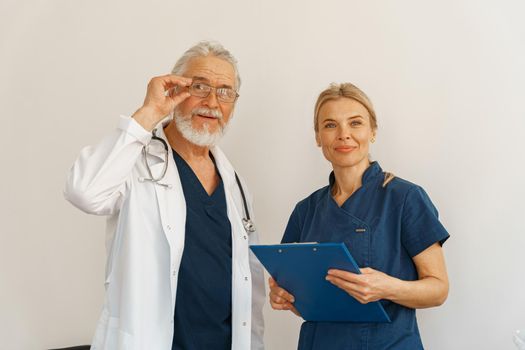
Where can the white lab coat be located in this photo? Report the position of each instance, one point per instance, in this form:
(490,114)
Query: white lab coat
(145,241)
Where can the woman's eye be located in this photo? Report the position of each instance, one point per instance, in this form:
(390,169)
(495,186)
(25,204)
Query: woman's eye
(356,123)
(330,125)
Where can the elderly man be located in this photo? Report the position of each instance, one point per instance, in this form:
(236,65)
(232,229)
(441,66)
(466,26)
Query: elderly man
(179,271)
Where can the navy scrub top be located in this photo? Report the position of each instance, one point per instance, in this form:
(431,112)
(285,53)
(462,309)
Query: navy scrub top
(203,308)
(383,228)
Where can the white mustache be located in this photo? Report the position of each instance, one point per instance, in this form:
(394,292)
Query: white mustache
(214,113)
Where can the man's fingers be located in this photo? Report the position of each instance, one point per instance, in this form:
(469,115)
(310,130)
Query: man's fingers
(170,80)
(180,97)
(167,82)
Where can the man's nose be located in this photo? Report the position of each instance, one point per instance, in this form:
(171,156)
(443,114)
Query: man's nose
(211,100)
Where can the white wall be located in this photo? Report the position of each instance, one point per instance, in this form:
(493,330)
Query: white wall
(447,79)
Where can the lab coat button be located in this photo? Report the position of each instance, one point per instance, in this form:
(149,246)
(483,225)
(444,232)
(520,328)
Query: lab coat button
(244,323)
(246,278)
(168,227)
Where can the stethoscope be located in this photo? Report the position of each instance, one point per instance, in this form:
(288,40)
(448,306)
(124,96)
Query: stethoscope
(247,222)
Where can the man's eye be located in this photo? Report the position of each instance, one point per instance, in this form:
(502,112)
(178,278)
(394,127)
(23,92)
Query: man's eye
(200,86)
(225,92)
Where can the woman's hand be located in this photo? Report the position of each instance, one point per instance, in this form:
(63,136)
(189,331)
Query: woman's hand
(431,288)
(370,285)
(280,299)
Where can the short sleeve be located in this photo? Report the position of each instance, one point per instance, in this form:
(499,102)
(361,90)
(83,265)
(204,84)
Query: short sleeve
(420,223)
(292,234)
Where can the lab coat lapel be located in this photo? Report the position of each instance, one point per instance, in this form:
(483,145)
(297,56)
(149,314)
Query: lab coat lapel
(241,275)
(170,200)
(233,200)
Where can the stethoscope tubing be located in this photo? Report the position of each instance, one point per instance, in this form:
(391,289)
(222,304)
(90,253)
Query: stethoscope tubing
(247,221)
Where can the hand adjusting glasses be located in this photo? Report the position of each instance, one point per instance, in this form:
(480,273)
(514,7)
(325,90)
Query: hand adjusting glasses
(198,89)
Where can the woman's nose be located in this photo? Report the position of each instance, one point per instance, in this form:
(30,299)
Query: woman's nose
(344,135)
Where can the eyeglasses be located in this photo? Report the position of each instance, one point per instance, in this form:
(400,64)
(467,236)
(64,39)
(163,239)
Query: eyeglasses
(224,94)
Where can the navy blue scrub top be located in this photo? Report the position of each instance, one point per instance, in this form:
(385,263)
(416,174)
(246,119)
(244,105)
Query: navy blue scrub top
(383,228)
(203,306)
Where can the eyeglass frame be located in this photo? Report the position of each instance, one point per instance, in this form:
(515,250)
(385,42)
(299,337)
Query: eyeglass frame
(212,88)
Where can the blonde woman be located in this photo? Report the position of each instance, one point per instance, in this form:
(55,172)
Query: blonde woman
(389,225)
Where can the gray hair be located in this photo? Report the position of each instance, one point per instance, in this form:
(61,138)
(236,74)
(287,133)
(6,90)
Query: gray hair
(203,49)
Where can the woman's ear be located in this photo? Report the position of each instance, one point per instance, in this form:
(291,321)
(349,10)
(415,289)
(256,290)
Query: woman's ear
(317,139)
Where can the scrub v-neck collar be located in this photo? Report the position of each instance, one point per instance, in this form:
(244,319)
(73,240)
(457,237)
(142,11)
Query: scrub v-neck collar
(194,180)
(369,175)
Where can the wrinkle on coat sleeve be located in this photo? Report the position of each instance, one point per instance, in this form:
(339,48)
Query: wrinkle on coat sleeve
(99,178)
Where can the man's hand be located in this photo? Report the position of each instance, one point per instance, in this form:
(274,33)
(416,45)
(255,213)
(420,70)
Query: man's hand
(280,299)
(161,99)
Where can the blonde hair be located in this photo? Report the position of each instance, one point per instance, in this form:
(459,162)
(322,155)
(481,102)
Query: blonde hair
(344,90)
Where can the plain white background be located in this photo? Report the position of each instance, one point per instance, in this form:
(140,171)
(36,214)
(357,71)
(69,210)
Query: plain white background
(447,79)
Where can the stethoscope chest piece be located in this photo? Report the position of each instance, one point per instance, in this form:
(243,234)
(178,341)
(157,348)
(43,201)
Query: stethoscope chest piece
(248,225)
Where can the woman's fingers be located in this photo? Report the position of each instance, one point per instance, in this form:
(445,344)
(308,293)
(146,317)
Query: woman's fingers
(365,287)
(280,299)
(281,306)
(279,295)
(294,310)
(345,275)
(279,292)
(351,288)
(272,282)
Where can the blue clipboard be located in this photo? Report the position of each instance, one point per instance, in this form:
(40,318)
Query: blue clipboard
(301,268)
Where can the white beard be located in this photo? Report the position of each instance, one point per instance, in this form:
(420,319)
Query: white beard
(202,137)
